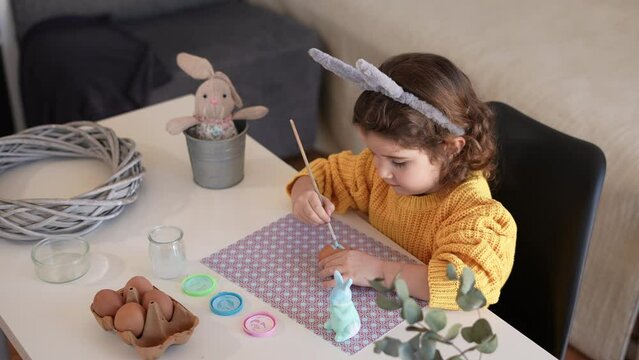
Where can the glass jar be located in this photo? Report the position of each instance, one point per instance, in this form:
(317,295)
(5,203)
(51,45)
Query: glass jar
(61,259)
(166,251)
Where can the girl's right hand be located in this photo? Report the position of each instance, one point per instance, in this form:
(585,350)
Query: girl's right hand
(307,205)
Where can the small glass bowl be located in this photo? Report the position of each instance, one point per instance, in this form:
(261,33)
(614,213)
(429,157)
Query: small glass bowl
(61,259)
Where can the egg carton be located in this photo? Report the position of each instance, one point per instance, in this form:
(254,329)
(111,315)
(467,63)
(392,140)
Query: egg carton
(158,332)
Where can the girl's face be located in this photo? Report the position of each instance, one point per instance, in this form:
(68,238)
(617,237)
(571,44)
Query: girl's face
(407,171)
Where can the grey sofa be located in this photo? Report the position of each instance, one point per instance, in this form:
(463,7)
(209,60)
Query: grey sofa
(263,53)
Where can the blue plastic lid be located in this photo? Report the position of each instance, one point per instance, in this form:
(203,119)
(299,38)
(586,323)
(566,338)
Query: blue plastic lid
(226,303)
(198,284)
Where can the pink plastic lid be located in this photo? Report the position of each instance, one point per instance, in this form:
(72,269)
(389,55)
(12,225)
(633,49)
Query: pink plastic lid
(260,324)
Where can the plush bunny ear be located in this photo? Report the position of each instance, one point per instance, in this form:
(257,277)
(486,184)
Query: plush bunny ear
(195,66)
(382,83)
(339,280)
(338,67)
(379,81)
(368,77)
(234,94)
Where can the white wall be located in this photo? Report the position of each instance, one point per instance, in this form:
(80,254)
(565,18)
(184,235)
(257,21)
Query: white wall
(10,62)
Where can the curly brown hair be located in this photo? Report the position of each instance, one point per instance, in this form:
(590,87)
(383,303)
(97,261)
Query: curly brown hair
(439,82)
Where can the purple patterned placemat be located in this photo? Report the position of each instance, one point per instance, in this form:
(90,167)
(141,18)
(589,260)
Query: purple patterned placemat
(278,264)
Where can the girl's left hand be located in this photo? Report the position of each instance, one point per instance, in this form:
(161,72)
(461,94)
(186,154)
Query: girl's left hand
(352,264)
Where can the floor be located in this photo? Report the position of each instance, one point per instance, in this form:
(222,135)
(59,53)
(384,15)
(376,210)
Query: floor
(574,354)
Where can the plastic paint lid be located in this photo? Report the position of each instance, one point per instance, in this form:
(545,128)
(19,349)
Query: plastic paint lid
(260,324)
(198,284)
(226,303)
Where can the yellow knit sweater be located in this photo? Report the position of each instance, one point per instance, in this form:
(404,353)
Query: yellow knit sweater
(464,226)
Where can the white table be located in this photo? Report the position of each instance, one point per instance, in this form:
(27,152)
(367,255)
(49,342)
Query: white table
(53,321)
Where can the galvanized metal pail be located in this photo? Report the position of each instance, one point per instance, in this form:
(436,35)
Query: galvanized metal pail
(218,164)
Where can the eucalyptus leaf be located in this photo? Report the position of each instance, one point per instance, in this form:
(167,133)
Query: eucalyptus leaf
(456,357)
(472,300)
(387,303)
(378,285)
(431,335)
(436,319)
(488,346)
(467,334)
(451,272)
(453,331)
(429,346)
(438,355)
(415,342)
(406,352)
(411,311)
(421,355)
(401,289)
(380,345)
(481,330)
(467,280)
(388,345)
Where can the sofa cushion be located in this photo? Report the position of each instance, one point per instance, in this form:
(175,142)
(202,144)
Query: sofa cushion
(29,12)
(263,53)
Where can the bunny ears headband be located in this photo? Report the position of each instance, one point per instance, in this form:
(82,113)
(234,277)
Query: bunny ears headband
(368,77)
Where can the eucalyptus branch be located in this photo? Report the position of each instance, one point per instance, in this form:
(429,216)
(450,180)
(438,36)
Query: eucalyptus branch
(462,353)
(429,324)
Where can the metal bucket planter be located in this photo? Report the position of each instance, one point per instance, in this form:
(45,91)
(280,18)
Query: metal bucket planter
(218,164)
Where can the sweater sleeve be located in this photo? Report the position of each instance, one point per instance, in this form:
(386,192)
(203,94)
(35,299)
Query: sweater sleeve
(481,236)
(344,178)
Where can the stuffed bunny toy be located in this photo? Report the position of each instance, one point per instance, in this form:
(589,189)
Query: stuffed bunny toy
(344,319)
(215,101)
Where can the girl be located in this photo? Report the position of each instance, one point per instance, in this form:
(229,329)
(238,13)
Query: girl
(422,179)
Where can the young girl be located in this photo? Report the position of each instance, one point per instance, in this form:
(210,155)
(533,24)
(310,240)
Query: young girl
(422,179)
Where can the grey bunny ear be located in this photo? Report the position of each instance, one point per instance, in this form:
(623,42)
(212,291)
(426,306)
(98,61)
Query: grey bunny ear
(338,67)
(379,81)
(368,77)
(382,83)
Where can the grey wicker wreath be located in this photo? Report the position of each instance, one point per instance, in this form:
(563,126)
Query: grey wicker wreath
(35,219)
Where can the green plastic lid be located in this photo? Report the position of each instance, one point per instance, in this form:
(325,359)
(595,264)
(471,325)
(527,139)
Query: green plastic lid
(198,284)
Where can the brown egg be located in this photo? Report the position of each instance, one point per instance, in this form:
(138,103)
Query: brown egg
(106,302)
(165,302)
(140,283)
(130,317)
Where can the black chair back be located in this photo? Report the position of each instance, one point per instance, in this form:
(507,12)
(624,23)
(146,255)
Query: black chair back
(550,182)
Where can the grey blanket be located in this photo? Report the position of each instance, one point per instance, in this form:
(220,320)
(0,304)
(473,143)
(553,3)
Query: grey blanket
(84,68)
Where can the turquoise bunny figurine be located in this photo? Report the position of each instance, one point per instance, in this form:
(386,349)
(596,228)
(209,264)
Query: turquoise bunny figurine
(344,319)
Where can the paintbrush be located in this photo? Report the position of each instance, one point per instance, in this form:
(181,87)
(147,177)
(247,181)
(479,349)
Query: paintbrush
(335,244)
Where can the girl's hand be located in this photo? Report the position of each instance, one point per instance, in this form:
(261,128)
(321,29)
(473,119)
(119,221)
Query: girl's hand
(307,206)
(352,264)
